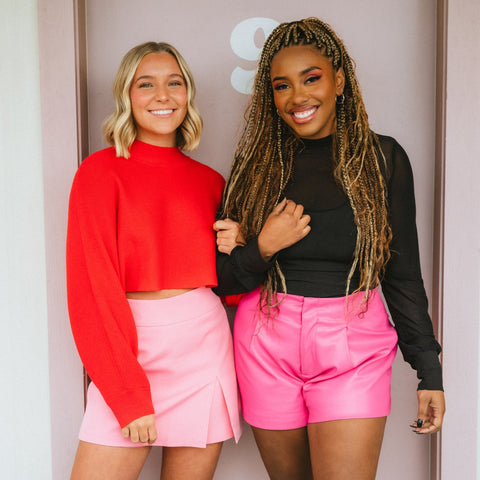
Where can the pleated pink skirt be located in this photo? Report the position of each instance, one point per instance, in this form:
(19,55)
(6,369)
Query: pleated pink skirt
(185,349)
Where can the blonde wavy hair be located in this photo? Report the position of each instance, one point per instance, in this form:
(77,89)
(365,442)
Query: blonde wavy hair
(263,160)
(120,129)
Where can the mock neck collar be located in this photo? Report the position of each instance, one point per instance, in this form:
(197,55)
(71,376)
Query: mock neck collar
(154,155)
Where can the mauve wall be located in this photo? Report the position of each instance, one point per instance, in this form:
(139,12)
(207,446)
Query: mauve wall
(461,258)
(393,44)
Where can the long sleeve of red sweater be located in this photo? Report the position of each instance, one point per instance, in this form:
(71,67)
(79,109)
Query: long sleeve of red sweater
(95,292)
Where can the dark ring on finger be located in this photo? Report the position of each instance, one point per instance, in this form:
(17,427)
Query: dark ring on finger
(419,423)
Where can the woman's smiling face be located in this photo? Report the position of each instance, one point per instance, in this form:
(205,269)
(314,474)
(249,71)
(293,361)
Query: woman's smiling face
(159,99)
(305,87)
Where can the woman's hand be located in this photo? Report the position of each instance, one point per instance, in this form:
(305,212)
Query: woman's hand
(431,408)
(142,430)
(285,226)
(229,235)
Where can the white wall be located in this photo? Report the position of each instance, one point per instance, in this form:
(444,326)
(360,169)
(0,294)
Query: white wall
(25,446)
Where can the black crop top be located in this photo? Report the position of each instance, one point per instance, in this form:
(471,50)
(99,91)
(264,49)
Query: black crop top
(318,265)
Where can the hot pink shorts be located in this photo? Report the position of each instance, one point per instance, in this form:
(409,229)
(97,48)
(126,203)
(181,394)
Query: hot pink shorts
(185,348)
(319,359)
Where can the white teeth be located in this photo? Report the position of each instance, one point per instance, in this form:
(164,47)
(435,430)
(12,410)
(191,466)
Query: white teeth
(303,114)
(162,112)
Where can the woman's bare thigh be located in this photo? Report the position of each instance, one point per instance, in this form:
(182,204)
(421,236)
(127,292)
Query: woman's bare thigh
(285,453)
(346,449)
(98,462)
(186,463)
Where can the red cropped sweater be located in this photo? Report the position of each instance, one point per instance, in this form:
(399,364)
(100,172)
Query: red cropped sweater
(137,224)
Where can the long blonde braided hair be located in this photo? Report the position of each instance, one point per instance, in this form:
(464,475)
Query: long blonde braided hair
(263,160)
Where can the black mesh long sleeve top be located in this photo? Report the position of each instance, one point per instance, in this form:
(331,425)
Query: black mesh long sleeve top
(318,265)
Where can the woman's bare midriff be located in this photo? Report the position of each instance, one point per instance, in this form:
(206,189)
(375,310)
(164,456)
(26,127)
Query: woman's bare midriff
(157,294)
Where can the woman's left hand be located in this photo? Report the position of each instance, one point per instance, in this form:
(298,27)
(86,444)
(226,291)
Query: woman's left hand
(229,235)
(431,409)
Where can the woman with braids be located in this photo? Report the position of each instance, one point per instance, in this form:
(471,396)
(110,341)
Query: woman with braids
(152,335)
(318,212)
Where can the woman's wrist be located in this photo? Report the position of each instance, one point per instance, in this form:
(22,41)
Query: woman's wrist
(265,252)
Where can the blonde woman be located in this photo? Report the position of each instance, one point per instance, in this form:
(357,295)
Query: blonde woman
(152,335)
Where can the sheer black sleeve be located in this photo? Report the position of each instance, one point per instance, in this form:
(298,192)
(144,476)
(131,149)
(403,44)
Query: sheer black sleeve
(402,285)
(242,271)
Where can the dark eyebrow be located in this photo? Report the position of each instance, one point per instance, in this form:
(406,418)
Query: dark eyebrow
(309,69)
(143,77)
(303,72)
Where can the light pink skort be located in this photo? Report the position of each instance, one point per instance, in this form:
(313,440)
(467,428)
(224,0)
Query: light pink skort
(185,348)
(319,359)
